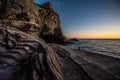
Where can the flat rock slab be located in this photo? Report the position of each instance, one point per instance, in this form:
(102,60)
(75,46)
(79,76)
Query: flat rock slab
(72,71)
(97,66)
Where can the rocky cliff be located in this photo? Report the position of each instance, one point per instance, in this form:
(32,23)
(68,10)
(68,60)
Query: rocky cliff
(19,14)
(42,20)
(23,54)
(50,23)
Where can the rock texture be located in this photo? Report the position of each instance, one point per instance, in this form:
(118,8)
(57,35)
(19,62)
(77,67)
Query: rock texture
(97,66)
(23,54)
(50,23)
(42,20)
(23,57)
(19,14)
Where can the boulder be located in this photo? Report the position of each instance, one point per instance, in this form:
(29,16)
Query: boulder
(74,39)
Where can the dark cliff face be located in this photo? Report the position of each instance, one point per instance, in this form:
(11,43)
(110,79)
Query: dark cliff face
(19,14)
(23,54)
(42,20)
(50,23)
(11,9)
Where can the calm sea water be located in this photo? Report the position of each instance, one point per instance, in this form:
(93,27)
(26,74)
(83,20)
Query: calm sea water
(111,47)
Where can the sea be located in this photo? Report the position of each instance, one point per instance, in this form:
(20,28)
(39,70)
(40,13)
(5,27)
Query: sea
(109,47)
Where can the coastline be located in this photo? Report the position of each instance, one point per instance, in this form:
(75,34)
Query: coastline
(96,66)
(106,47)
(26,31)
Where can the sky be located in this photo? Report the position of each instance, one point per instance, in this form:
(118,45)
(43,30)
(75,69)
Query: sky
(88,18)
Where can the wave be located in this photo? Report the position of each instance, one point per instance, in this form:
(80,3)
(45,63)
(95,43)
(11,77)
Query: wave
(111,47)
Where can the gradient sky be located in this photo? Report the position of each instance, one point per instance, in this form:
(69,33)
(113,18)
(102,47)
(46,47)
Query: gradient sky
(88,18)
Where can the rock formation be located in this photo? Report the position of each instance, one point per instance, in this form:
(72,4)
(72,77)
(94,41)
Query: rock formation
(50,23)
(23,54)
(19,14)
(40,20)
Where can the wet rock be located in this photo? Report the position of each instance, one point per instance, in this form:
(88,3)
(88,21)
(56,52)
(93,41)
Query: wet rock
(74,39)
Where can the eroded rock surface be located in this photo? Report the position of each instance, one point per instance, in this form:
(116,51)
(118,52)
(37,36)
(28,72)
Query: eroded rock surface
(50,23)
(23,54)
(42,21)
(98,66)
(23,57)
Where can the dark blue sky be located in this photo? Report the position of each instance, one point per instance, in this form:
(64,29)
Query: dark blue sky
(88,18)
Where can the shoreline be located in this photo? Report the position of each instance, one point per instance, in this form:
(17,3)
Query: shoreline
(97,66)
(99,53)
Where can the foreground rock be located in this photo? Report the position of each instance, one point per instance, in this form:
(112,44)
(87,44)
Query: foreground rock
(23,57)
(71,70)
(97,66)
(23,54)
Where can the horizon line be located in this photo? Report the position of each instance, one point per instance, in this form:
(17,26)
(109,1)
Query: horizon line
(98,38)
(101,38)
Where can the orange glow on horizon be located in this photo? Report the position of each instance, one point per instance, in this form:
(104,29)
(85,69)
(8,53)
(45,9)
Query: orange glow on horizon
(94,36)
